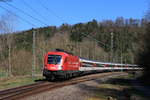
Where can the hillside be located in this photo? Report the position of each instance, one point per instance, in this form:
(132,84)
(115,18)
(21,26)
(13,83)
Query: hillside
(91,40)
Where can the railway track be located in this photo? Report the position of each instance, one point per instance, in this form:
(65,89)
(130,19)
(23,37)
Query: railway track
(23,91)
(14,92)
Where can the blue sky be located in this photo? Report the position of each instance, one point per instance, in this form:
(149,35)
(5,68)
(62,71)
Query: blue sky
(74,11)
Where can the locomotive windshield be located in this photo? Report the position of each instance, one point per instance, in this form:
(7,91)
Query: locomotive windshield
(54,59)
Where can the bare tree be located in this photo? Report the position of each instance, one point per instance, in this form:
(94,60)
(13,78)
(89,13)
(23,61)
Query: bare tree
(7,26)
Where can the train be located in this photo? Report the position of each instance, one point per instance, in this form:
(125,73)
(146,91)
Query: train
(62,64)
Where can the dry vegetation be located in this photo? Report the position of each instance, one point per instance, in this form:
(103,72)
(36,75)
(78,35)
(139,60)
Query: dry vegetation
(22,60)
(90,40)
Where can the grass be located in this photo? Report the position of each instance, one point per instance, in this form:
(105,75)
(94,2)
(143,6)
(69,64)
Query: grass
(112,86)
(118,88)
(3,73)
(94,98)
(17,81)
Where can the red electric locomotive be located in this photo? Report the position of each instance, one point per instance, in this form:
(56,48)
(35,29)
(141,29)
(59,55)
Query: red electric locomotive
(60,64)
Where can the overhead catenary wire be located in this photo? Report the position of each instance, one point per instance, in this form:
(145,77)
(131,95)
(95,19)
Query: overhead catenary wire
(34,10)
(33,68)
(25,13)
(28,22)
(63,20)
(46,24)
(91,37)
(99,41)
(87,35)
(50,12)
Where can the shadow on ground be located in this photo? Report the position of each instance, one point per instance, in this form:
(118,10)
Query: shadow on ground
(56,80)
(40,80)
(124,90)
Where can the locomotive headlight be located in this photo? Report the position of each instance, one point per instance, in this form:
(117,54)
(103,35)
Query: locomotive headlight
(59,67)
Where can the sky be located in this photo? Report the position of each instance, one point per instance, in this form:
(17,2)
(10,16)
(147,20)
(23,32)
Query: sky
(55,12)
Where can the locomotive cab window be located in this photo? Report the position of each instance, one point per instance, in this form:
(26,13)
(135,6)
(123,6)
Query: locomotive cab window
(54,59)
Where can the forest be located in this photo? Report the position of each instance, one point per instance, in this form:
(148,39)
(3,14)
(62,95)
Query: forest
(118,40)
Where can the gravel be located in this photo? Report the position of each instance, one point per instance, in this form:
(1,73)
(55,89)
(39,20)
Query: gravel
(80,91)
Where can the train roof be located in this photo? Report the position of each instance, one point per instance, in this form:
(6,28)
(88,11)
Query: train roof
(57,53)
(105,63)
(62,50)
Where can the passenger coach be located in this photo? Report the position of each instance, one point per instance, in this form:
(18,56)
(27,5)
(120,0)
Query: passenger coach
(62,64)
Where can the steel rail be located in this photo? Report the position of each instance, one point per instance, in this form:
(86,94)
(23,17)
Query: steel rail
(24,91)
